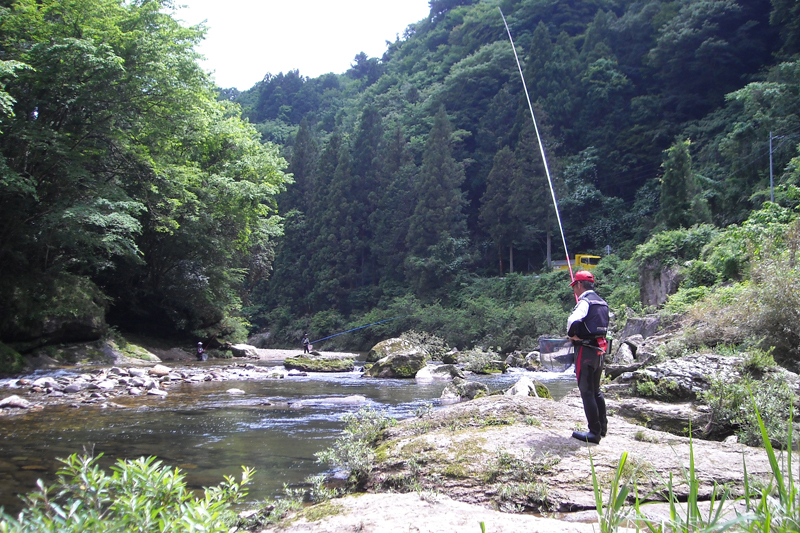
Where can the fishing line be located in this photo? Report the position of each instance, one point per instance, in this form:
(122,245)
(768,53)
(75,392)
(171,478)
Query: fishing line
(359,327)
(541,146)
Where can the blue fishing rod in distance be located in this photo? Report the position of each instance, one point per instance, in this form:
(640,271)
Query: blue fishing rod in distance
(359,327)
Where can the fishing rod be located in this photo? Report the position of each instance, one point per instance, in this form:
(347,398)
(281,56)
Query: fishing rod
(359,327)
(541,147)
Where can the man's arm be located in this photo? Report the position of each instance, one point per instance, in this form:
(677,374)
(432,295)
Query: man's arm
(575,318)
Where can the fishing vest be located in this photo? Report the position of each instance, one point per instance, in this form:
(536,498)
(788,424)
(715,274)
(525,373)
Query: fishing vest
(595,325)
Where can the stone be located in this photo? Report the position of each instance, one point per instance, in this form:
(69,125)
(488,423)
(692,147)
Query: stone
(451,357)
(235,391)
(157,392)
(461,389)
(622,356)
(325,364)
(15,402)
(244,350)
(671,417)
(398,365)
(685,377)
(107,384)
(76,386)
(67,309)
(435,372)
(657,282)
(159,371)
(137,372)
(45,382)
(644,326)
(391,347)
(533,361)
(527,387)
(463,441)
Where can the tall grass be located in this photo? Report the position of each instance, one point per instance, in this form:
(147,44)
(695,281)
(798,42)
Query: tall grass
(775,508)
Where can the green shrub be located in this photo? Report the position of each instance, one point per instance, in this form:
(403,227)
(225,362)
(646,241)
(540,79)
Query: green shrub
(665,389)
(477,360)
(434,346)
(756,361)
(139,495)
(682,300)
(699,274)
(673,247)
(353,450)
(730,404)
(10,361)
(717,317)
(765,231)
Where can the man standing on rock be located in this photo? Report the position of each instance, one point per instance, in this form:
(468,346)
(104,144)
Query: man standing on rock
(587,327)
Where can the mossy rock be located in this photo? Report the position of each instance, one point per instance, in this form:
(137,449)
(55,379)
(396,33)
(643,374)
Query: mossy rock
(307,364)
(493,367)
(398,366)
(390,347)
(541,390)
(52,309)
(11,362)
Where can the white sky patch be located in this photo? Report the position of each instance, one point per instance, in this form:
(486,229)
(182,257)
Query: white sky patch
(246,39)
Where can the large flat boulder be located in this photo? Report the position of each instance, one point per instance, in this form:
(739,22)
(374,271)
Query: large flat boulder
(399,365)
(319,364)
(391,347)
(476,451)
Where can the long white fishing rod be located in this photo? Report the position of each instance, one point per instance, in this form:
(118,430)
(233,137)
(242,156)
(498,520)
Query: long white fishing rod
(541,146)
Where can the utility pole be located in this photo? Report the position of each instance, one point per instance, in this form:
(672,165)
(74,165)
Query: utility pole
(771,188)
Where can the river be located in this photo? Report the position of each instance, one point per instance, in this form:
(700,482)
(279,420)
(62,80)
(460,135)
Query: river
(209,433)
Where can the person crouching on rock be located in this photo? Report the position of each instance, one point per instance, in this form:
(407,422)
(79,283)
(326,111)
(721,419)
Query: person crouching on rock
(587,327)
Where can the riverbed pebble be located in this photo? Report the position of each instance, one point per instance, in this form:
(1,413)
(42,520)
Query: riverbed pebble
(15,402)
(98,386)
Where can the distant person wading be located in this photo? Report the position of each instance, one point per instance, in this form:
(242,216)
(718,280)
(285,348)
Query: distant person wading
(201,353)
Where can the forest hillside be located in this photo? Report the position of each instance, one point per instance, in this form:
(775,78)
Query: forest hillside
(419,190)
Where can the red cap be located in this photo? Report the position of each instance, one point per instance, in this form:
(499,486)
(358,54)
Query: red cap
(582,275)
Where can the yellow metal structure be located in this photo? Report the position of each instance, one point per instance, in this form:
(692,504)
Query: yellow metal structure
(579,262)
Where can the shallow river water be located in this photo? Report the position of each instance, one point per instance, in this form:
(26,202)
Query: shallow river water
(209,433)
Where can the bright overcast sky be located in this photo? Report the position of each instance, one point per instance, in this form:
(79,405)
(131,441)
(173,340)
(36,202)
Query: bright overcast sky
(248,38)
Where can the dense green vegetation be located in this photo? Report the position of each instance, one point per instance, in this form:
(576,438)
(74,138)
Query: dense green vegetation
(132,189)
(418,176)
(124,182)
(138,495)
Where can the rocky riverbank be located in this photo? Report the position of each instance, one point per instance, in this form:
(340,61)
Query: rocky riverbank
(499,458)
(99,385)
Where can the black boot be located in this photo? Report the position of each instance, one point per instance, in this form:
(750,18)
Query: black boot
(586,437)
(603,431)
